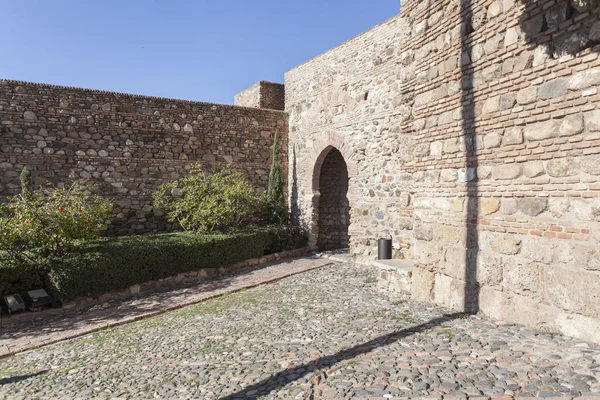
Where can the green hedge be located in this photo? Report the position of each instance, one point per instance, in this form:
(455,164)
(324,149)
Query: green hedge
(114,264)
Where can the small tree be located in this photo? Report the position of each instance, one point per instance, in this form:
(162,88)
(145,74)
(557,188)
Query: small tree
(26,183)
(275,189)
(205,202)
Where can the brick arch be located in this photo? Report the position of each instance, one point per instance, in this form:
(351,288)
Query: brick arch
(322,148)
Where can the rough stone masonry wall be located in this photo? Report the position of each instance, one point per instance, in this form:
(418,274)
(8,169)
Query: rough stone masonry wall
(348,98)
(482,134)
(128,144)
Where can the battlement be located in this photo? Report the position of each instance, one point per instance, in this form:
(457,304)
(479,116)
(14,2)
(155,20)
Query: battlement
(263,94)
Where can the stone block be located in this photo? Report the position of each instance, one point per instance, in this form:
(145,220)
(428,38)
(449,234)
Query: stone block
(422,284)
(506,172)
(512,36)
(451,146)
(595,33)
(508,101)
(541,54)
(449,175)
(585,79)
(571,125)
(466,174)
(592,121)
(492,140)
(421,150)
(554,88)
(29,116)
(557,14)
(571,44)
(532,26)
(533,169)
(484,172)
(453,293)
(491,302)
(506,244)
(513,135)
(489,269)
(457,205)
(580,327)
(591,165)
(489,206)
(509,206)
(523,279)
(561,167)
(541,130)
(527,95)
(423,231)
(523,310)
(587,257)
(533,206)
(491,105)
(427,253)
(444,235)
(573,289)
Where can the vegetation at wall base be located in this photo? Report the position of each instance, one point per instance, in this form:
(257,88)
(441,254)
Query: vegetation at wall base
(112,264)
(41,225)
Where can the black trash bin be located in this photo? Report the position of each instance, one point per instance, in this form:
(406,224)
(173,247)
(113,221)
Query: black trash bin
(384,249)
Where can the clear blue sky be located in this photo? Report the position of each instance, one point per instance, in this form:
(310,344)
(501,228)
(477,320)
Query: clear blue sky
(204,50)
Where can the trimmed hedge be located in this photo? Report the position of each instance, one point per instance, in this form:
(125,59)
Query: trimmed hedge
(114,264)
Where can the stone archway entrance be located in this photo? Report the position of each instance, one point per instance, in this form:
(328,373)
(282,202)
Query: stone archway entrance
(333,207)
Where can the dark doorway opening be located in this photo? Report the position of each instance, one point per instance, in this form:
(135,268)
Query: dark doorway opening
(334,209)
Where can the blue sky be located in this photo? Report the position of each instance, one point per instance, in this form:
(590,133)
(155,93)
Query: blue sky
(204,50)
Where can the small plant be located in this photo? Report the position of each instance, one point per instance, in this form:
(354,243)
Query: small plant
(221,200)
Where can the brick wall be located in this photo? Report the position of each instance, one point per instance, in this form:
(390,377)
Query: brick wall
(263,94)
(472,132)
(128,144)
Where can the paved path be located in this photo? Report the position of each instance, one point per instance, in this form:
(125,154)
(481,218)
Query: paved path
(323,334)
(52,329)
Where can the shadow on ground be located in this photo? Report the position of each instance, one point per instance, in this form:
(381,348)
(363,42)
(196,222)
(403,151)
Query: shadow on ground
(19,378)
(280,379)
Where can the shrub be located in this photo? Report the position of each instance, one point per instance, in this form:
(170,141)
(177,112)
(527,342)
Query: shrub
(113,264)
(43,224)
(221,200)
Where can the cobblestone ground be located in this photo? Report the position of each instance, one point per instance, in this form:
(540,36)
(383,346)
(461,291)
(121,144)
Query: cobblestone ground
(323,334)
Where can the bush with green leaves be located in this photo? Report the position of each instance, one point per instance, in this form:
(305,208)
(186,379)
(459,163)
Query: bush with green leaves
(42,224)
(219,200)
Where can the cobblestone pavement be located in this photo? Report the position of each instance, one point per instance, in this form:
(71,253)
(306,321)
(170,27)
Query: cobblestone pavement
(323,334)
(48,329)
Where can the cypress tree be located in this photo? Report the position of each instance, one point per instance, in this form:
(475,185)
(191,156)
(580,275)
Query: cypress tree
(26,183)
(275,189)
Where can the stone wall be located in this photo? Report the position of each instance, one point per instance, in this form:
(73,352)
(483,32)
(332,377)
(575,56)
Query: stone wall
(348,98)
(263,94)
(472,132)
(128,144)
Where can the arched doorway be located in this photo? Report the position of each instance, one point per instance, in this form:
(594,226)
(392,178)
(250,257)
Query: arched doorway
(334,208)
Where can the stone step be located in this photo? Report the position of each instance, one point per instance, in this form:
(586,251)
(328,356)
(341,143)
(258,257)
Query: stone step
(394,275)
